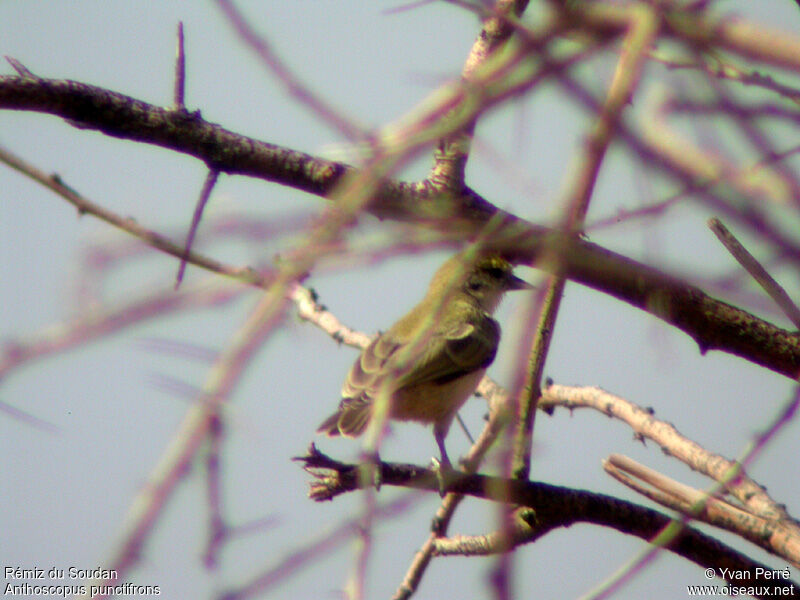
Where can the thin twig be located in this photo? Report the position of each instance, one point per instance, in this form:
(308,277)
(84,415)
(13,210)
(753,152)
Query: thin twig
(756,270)
(218,530)
(28,418)
(677,527)
(695,504)
(453,149)
(129,225)
(554,506)
(499,417)
(726,70)
(205,193)
(173,466)
(298,90)
(671,441)
(318,548)
(641,31)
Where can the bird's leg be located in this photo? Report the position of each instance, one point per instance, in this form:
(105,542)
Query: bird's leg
(442,450)
(444,468)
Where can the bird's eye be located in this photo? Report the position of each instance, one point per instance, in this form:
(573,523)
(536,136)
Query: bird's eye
(475,285)
(496,273)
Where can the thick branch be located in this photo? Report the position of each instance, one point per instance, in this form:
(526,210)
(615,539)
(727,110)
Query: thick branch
(711,323)
(121,116)
(554,507)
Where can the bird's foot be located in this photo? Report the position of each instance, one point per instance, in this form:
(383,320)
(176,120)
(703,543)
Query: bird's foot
(444,474)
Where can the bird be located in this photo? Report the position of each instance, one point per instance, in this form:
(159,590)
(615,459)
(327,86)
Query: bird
(431,360)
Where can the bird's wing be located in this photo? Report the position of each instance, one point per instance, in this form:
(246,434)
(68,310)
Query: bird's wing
(447,354)
(453,352)
(370,370)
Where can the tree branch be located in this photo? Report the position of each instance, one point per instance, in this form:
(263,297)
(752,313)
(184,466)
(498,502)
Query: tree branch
(553,506)
(713,324)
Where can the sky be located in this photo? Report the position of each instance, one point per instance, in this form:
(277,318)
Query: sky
(116,403)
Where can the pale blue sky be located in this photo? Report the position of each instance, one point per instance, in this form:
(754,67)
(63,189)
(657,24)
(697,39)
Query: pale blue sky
(63,495)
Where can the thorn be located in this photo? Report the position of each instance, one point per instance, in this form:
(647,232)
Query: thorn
(205,194)
(180,72)
(20,68)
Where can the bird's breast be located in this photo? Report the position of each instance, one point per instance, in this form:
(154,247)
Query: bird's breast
(430,402)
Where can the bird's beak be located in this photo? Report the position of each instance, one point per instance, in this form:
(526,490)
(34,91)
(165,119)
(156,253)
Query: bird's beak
(515,283)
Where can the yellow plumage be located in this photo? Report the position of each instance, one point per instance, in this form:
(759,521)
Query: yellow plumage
(430,361)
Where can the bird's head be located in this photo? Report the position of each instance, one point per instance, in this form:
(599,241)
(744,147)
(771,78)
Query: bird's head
(483,278)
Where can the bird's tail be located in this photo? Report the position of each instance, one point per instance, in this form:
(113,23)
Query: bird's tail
(330,426)
(350,420)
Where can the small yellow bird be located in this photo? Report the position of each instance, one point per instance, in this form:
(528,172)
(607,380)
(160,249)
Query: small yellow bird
(430,362)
